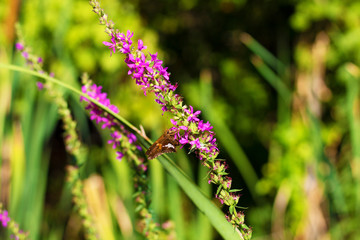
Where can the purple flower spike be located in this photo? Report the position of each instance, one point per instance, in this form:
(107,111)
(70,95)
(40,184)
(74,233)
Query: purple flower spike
(149,73)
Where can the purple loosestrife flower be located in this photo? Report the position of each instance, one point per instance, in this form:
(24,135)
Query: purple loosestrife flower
(115,141)
(4,218)
(141,45)
(33,61)
(184,140)
(97,113)
(120,137)
(132,137)
(11,225)
(195,143)
(151,76)
(40,85)
(192,115)
(204,126)
(125,143)
(119,155)
(19,46)
(111,45)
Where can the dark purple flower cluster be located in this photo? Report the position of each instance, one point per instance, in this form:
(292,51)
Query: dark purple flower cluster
(104,119)
(148,73)
(97,113)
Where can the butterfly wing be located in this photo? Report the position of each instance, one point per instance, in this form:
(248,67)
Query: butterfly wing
(165,144)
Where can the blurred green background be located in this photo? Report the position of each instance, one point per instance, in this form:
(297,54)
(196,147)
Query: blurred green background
(278,80)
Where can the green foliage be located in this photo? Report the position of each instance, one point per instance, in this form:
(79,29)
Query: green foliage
(288,117)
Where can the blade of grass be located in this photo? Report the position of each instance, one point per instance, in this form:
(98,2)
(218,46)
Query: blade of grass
(176,209)
(29,209)
(227,138)
(333,185)
(278,83)
(215,215)
(351,74)
(158,194)
(29,190)
(37,166)
(202,226)
(272,79)
(262,52)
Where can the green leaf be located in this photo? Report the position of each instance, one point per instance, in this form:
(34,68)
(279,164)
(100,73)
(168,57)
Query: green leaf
(207,207)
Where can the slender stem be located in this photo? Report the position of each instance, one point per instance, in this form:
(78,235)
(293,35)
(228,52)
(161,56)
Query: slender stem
(71,88)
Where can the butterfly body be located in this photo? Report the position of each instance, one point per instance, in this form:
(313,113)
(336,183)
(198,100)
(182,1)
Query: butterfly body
(165,144)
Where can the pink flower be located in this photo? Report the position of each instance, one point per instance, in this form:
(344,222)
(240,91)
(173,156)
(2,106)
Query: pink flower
(192,116)
(4,218)
(111,45)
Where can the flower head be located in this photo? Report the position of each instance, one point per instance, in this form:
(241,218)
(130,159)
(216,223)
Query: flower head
(19,46)
(119,155)
(4,218)
(192,115)
(40,85)
(115,139)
